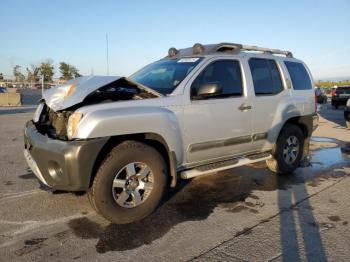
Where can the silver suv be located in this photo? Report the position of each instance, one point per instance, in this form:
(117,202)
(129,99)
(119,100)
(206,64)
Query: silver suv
(199,110)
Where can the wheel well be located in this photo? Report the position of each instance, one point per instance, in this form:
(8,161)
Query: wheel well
(299,122)
(150,139)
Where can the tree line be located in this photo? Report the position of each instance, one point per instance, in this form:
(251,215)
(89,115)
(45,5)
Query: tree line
(45,70)
(325,84)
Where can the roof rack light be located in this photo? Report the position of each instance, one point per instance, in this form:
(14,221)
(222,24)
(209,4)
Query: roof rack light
(198,49)
(172,52)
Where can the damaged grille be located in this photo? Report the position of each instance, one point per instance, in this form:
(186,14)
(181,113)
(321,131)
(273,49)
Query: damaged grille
(53,124)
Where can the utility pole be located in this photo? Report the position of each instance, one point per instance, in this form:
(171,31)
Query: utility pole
(107,55)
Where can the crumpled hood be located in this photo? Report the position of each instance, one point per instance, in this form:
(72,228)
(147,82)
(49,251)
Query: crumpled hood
(76,90)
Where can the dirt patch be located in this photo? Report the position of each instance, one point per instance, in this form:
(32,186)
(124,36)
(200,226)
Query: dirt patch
(30,245)
(63,235)
(334,218)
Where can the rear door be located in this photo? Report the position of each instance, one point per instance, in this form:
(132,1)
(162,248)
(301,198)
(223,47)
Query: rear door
(269,99)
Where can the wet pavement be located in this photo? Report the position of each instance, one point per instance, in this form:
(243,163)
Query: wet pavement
(242,214)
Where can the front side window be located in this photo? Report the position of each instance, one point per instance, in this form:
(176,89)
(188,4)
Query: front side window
(165,75)
(224,73)
(299,76)
(266,76)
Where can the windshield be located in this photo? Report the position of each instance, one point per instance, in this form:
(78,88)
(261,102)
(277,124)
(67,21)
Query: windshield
(165,75)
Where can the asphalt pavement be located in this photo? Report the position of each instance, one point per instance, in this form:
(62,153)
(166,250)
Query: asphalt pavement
(242,214)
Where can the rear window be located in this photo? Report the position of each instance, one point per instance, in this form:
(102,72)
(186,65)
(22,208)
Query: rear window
(343,90)
(299,76)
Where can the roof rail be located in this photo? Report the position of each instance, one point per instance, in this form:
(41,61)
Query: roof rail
(224,47)
(239,47)
(267,50)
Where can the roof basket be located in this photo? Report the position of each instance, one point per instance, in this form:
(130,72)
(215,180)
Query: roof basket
(236,48)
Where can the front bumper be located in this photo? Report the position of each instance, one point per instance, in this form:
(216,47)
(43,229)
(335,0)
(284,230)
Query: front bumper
(62,165)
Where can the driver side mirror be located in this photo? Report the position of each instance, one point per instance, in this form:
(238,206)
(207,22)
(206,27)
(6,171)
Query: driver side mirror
(209,90)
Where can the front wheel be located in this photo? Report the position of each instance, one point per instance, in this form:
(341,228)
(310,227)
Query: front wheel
(288,150)
(130,183)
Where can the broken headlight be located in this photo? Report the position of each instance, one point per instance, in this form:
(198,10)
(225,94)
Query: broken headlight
(73,122)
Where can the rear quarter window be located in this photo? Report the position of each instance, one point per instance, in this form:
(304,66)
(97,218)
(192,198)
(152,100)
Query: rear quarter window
(299,76)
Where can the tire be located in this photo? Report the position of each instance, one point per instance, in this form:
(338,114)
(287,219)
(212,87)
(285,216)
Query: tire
(126,205)
(92,200)
(334,105)
(279,164)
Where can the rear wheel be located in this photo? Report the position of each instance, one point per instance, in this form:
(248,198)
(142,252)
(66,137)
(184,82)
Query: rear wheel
(130,183)
(288,150)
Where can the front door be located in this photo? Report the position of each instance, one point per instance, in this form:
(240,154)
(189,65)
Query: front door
(217,125)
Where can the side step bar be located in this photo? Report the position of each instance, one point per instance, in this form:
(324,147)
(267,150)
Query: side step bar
(223,165)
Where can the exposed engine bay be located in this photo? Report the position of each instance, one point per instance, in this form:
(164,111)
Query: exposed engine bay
(54,123)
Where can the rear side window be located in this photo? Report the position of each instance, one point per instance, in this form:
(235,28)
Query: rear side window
(299,76)
(266,76)
(226,73)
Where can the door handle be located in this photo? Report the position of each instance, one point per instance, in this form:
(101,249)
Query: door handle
(244,107)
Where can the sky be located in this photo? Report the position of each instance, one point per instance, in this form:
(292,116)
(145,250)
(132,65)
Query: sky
(139,32)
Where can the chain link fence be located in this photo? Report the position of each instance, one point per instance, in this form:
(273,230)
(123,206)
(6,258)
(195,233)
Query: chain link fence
(9,81)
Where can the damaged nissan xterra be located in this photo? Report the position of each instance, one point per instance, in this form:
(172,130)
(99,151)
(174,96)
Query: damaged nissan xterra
(199,110)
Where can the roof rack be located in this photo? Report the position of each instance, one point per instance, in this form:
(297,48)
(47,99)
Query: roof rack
(265,50)
(224,47)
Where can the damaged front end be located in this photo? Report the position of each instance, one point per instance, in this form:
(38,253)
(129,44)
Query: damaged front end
(61,102)
(53,124)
